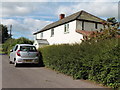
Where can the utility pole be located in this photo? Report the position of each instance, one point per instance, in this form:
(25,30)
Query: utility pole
(10,31)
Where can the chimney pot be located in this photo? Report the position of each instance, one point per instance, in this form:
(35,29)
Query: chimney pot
(62,16)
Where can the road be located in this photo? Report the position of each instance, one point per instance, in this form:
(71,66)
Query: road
(38,77)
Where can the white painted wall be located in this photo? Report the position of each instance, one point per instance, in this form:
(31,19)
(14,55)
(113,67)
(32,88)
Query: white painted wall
(62,38)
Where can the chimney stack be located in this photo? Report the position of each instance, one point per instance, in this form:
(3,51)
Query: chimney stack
(62,16)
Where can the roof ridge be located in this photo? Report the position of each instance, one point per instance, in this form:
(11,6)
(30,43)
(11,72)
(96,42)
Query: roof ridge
(80,12)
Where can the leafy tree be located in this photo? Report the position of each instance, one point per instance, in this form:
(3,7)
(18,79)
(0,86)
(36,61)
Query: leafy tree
(112,20)
(3,33)
(11,42)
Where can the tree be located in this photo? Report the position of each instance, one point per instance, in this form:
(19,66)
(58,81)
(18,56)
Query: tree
(112,20)
(3,33)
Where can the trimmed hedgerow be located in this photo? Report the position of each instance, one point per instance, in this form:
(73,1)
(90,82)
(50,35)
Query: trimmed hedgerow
(89,60)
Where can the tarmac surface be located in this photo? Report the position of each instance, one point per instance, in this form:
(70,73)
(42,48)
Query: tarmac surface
(38,77)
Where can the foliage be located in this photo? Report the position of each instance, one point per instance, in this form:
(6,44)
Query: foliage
(112,20)
(10,43)
(89,60)
(3,33)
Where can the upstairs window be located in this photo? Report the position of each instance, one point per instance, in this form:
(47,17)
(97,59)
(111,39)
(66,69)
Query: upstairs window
(52,32)
(41,35)
(66,28)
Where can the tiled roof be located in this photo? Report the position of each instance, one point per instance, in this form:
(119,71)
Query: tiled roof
(81,15)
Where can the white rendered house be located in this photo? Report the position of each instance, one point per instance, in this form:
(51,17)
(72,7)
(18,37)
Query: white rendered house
(67,29)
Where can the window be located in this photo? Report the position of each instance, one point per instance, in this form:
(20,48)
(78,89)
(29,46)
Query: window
(66,28)
(15,48)
(52,32)
(82,25)
(96,26)
(41,34)
(28,48)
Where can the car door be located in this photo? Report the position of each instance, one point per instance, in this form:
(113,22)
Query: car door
(13,53)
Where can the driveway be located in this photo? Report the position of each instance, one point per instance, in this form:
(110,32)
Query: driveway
(38,77)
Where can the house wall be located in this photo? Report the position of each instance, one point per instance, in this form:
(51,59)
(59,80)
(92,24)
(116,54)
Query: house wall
(36,44)
(60,37)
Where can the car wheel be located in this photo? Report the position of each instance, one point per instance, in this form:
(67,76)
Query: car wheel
(10,62)
(15,64)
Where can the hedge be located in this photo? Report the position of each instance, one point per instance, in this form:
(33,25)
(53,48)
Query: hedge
(99,61)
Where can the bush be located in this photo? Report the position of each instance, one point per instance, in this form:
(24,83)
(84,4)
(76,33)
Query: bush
(89,60)
(10,43)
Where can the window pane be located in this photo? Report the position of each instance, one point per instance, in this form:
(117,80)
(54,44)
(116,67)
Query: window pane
(42,35)
(28,48)
(66,28)
(52,32)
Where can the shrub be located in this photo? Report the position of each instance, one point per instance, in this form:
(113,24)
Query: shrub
(10,43)
(89,60)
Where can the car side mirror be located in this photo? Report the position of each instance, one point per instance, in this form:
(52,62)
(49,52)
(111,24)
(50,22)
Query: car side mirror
(11,50)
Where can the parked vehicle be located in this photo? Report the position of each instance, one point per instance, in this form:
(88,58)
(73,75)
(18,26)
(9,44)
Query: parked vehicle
(24,53)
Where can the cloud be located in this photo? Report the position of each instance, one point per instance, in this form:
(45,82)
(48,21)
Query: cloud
(25,27)
(60,0)
(100,9)
(16,9)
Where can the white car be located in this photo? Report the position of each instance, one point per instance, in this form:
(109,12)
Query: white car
(24,53)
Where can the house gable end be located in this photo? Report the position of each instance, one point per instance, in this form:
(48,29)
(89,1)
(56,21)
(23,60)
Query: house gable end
(89,17)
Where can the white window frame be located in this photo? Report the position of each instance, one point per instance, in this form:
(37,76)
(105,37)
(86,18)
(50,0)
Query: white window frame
(41,35)
(52,32)
(66,28)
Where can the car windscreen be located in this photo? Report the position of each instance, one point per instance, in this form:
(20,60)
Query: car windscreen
(28,48)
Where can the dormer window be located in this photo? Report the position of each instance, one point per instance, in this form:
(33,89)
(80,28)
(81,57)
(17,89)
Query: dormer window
(66,28)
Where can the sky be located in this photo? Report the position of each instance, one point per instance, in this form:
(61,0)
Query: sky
(29,17)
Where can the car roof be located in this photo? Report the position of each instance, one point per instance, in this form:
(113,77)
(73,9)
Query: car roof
(25,45)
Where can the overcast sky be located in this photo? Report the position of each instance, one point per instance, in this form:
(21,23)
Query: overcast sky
(29,17)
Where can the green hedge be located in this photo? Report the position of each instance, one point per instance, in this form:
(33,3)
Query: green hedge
(99,61)
(10,43)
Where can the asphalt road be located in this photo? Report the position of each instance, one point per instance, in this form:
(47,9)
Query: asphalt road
(38,77)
